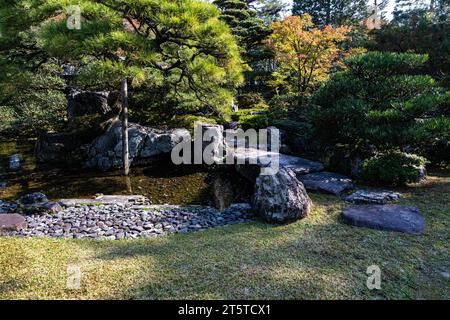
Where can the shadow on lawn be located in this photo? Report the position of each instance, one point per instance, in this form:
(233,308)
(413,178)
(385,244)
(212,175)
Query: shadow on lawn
(317,257)
(299,261)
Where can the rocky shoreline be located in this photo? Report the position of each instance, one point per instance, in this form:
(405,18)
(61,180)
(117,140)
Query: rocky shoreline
(121,221)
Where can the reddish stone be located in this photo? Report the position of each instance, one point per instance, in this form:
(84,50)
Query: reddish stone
(12,222)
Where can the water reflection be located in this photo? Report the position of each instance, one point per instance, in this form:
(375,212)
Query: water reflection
(161,182)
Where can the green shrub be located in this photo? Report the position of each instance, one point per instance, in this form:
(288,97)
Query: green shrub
(380,101)
(256,118)
(188,121)
(31,101)
(30,118)
(419,37)
(251,100)
(381,64)
(432,138)
(393,168)
(254,122)
(248,112)
(7,118)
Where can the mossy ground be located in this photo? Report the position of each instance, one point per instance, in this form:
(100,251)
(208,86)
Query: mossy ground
(315,258)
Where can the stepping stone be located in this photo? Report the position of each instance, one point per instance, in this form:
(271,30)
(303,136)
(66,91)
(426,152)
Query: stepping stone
(12,222)
(138,199)
(387,217)
(367,196)
(327,182)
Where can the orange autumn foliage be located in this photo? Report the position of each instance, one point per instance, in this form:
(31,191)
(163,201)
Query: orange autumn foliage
(304,54)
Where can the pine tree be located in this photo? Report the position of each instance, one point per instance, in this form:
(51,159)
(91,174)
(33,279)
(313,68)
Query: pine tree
(268,10)
(180,49)
(409,11)
(376,103)
(243,21)
(441,10)
(250,31)
(334,12)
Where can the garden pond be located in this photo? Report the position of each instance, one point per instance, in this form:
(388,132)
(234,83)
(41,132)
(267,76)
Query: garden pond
(161,182)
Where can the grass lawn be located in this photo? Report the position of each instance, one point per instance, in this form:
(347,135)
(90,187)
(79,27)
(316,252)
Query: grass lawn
(315,258)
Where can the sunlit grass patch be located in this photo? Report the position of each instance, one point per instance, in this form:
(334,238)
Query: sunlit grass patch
(315,258)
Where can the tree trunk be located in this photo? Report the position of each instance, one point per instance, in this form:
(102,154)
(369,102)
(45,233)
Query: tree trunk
(125,151)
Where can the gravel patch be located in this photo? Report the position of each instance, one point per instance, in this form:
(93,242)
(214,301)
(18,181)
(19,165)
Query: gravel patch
(120,221)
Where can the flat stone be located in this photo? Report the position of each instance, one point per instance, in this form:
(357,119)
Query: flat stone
(328,182)
(12,222)
(3,185)
(105,199)
(300,165)
(122,199)
(368,196)
(263,158)
(387,217)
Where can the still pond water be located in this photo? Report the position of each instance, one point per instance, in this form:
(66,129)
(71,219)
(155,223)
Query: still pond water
(161,182)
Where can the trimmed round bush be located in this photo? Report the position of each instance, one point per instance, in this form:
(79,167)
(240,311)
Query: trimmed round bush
(393,168)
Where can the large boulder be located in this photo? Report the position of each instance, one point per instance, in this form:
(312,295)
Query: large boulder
(145,145)
(281,198)
(387,217)
(81,103)
(58,147)
(211,139)
(327,182)
(90,114)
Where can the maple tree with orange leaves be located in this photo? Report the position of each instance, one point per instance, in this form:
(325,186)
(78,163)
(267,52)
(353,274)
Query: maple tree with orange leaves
(304,53)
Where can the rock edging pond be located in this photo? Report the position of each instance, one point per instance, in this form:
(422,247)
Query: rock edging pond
(119,221)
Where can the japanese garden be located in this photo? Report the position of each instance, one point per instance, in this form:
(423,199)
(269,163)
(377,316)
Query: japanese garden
(224,149)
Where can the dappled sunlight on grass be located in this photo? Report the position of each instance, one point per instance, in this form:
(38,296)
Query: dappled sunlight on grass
(318,257)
